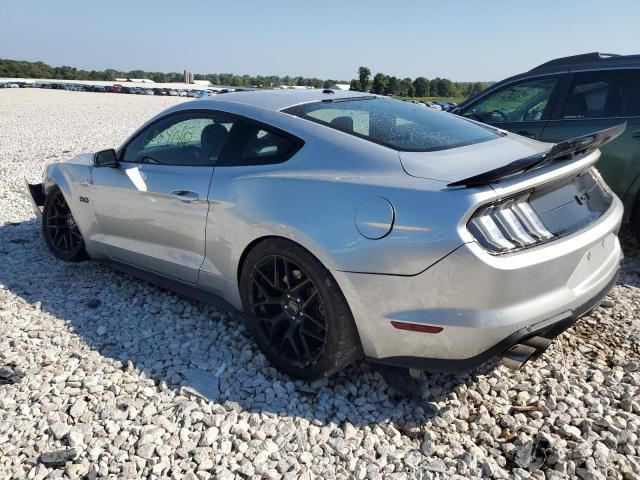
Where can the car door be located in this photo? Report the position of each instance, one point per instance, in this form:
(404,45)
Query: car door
(152,209)
(597,100)
(521,107)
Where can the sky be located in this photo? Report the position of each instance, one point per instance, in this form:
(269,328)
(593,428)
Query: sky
(460,39)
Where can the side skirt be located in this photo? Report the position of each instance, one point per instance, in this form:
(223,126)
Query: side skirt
(172,285)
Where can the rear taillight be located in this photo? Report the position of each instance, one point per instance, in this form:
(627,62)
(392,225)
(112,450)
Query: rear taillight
(508,225)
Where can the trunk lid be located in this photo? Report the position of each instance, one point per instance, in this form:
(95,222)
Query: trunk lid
(492,161)
(458,163)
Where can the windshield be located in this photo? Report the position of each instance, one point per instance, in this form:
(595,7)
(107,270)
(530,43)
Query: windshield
(404,126)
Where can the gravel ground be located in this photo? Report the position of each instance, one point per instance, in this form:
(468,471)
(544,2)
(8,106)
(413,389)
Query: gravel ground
(121,379)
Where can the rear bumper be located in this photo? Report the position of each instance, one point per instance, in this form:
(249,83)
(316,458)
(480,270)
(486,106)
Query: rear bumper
(484,303)
(550,331)
(37,196)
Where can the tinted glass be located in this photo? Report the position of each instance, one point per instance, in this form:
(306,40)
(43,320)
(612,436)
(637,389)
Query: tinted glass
(400,125)
(603,94)
(631,93)
(190,139)
(522,102)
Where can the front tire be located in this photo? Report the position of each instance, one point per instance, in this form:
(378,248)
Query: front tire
(296,311)
(59,228)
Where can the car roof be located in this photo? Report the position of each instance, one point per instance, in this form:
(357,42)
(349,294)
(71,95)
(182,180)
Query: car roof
(281,99)
(590,61)
(575,63)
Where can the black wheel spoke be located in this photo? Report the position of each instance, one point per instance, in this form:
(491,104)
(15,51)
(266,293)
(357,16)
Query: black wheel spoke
(305,345)
(276,279)
(60,240)
(266,278)
(313,335)
(294,347)
(317,323)
(288,308)
(310,299)
(266,302)
(305,282)
(287,274)
(262,290)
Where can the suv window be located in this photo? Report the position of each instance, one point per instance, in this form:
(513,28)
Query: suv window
(631,94)
(403,126)
(188,139)
(603,94)
(523,102)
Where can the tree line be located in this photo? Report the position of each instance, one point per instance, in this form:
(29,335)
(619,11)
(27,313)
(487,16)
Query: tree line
(380,83)
(23,69)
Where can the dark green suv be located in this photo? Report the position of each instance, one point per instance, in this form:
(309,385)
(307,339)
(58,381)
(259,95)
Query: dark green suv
(572,96)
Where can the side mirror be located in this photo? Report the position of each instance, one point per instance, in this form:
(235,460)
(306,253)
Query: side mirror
(106,158)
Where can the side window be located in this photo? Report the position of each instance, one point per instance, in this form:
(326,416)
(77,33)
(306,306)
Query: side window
(595,95)
(252,144)
(525,101)
(604,95)
(631,94)
(189,139)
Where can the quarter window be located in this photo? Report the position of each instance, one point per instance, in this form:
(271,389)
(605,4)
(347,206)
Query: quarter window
(253,144)
(603,95)
(522,102)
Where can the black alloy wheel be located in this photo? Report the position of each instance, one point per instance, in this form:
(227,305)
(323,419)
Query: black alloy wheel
(289,310)
(60,229)
(296,312)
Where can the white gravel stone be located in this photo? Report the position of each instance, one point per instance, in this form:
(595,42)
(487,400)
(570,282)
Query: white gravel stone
(148,384)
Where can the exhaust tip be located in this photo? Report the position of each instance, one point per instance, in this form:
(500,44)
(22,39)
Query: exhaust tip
(516,356)
(539,343)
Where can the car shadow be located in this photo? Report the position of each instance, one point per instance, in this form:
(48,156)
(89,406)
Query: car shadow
(201,350)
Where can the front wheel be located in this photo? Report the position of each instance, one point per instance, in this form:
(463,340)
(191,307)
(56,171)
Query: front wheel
(60,230)
(296,311)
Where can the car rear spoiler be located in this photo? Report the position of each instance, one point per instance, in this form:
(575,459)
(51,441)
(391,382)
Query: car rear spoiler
(561,151)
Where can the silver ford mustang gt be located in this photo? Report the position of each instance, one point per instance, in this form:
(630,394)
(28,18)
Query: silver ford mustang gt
(347,225)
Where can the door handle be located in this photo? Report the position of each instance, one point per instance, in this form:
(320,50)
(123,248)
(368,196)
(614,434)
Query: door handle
(636,134)
(185,196)
(524,133)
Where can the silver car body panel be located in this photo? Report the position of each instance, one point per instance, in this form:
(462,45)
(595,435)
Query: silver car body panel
(427,270)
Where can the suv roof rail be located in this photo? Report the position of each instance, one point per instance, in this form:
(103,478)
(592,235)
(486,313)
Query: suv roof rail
(593,57)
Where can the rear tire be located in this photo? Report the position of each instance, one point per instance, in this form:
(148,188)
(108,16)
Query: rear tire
(59,228)
(296,311)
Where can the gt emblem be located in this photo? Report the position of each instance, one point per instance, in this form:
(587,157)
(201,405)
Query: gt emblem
(582,197)
(84,199)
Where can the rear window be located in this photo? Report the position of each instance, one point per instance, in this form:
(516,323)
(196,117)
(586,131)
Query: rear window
(403,126)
